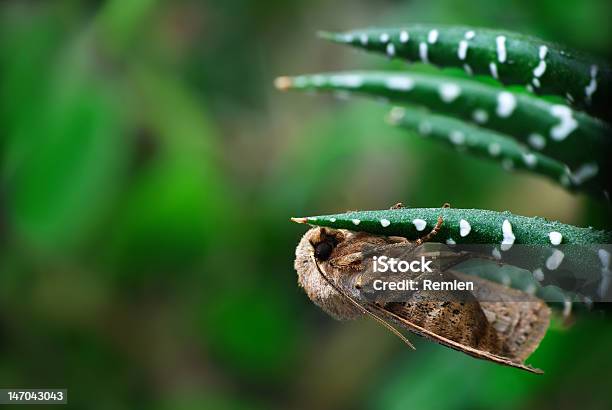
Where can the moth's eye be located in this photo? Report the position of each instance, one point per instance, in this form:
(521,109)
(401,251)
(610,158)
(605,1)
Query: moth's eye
(323,250)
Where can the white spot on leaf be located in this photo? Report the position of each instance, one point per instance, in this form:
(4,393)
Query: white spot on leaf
(401,83)
(419,224)
(590,89)
(583,173)
(509,237)
(347,80)
(457,137)
(538,275)
(555,237)
(496,254)
(554,260)
(462,50)
(530,159)
(506,103)
(397,114)
(480,116)
(385,222)
(432,37)
(501,48)
(567,123)
(356,221)
(449,92)
(493,70)
(494,149)
(604,258)
(423,52)
(404,36)
(464,228)
(536,141)
(540,69)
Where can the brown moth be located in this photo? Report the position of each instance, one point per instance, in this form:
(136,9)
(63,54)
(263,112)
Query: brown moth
(330,267)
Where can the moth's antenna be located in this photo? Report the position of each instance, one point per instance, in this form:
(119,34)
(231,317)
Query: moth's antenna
(361,308)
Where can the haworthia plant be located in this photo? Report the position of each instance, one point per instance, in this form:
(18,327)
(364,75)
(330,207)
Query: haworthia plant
(512,58)
(487,143)
(571,137)
(535,243)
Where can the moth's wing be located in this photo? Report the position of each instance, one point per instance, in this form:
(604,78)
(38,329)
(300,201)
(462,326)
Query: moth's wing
(520,319)
(445,257)
(477,353)
(488,330)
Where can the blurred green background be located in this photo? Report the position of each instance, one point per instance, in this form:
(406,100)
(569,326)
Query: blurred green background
(148,170)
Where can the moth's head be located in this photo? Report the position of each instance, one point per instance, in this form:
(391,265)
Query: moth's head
(318,246)
(324,242)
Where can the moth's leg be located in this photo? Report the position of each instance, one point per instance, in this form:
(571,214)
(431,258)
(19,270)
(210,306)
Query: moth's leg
(399,205)
(431,233)
(435,229)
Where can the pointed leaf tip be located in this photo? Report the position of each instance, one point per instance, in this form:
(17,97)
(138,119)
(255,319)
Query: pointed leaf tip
(282,83)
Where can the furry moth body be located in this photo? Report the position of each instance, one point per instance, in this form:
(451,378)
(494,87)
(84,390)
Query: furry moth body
(329,264)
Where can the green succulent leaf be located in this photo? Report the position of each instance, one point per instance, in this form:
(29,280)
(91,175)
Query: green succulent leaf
(512,58)
(489,144)
(485,227)
(546,248)
(524,280)
(582,142)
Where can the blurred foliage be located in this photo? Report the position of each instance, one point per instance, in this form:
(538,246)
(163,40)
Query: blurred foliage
(148,170)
